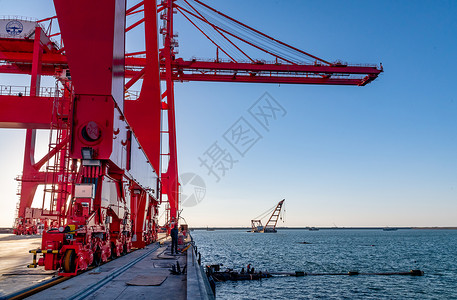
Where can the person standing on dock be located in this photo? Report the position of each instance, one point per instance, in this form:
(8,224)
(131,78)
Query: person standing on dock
(174,239)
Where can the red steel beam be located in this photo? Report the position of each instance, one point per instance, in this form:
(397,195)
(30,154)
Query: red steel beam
(269,79)
(50,154)
(26,57)
(50,61)
(26,69)
(25,112)
(257,67)
(134,25)
(131,9)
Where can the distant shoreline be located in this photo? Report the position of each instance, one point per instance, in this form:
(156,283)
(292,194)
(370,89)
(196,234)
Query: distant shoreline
(322,228)
(10,230)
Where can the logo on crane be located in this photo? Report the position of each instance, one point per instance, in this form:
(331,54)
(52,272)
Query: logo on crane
(14,28)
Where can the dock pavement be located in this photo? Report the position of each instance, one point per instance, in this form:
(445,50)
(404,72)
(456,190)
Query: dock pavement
(149,273)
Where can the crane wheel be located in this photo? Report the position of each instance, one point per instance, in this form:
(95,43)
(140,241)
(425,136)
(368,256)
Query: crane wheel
(69,261)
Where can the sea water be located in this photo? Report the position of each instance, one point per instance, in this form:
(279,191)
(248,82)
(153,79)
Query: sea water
(337,251)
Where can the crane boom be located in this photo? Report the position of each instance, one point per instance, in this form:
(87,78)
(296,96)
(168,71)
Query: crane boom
(219,71)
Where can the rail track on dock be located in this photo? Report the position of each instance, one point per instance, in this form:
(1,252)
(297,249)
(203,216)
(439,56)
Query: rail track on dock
(90,289)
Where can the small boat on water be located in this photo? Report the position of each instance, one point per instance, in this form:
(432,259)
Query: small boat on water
(313,229)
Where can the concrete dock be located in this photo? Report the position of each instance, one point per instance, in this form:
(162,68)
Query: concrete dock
(144,273)
(14,258)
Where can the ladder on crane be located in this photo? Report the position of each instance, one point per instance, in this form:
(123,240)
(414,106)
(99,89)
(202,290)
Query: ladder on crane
(60,172)
(270,226)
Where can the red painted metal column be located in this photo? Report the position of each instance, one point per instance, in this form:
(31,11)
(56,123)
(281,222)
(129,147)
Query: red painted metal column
(28,185)
(170,177)
(36,63)
(147,126)
(138,210)
(30,176)
(144,115)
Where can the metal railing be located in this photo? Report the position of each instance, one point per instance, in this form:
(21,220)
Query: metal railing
(11,90)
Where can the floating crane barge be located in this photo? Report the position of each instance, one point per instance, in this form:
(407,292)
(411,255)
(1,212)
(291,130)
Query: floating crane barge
(270,226)
(103,175)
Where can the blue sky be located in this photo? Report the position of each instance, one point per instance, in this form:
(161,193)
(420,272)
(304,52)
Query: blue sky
(383,154)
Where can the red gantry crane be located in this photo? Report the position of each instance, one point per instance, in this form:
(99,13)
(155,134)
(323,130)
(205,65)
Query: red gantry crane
(102,175)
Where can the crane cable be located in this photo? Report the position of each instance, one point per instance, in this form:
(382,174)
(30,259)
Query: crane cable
(249,35)
(214,32)
(220,35)
(209,30)
(266,213)
(271,45)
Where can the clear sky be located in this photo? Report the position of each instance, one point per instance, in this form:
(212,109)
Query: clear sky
(380,155)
